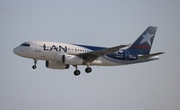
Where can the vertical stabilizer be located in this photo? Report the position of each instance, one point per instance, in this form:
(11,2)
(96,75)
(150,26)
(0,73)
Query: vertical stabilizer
(145,40)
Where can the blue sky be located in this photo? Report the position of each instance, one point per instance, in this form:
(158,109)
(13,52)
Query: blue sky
(151,86)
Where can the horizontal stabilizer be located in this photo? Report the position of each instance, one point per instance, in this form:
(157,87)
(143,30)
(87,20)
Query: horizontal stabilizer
(149,55)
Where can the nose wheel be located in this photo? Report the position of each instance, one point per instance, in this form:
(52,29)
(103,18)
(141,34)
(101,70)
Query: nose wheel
(34,66)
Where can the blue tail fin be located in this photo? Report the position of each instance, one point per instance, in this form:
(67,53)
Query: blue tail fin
(145,40)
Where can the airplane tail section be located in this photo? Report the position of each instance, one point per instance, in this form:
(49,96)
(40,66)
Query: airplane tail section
(145,40)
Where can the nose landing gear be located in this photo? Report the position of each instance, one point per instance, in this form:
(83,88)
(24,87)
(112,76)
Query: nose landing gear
(34,66)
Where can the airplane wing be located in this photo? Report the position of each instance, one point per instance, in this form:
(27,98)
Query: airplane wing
(149,55)
(91,56)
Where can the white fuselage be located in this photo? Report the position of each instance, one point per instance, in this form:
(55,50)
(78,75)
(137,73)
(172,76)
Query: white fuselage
(62,55)
(42,50)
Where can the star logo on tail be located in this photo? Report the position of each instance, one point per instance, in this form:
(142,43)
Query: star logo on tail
(147,38)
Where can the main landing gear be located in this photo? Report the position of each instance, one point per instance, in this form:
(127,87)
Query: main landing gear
(77,72)
(34,66)
(88,70)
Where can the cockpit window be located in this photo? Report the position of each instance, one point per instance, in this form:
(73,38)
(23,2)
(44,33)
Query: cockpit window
(24,44)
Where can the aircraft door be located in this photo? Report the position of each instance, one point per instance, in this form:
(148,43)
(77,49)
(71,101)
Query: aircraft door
(127,55)
(38,47)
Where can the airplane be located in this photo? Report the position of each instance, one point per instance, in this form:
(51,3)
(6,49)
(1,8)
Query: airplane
(62,55)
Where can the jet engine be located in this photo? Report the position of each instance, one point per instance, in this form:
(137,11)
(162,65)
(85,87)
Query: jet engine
(69,59)
(72,60)
(56,65)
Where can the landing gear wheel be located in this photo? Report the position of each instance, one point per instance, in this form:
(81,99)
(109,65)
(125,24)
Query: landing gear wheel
(88,70)
(34,67)
(77,72)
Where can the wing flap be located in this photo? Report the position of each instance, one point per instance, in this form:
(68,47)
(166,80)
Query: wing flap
(91,56)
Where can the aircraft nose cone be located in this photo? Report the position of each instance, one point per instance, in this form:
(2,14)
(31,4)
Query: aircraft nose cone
(15,50)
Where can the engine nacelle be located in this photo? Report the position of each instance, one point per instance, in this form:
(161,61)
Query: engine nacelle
(59,57)
(56,65)
(69,59)
(72,60)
